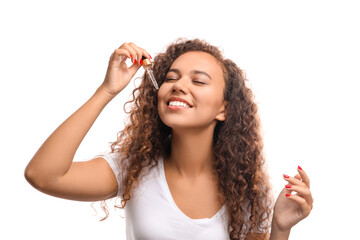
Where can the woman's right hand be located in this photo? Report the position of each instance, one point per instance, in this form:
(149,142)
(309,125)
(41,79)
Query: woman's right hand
(118,74)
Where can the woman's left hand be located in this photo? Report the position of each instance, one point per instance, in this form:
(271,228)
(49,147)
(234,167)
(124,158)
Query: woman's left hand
(290,208)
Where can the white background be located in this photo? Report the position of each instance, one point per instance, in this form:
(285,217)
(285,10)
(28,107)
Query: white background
(301,58)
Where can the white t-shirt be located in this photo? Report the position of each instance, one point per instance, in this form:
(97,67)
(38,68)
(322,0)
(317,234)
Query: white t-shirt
(152,213)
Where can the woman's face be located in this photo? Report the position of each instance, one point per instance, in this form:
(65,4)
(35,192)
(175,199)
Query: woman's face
(197,78)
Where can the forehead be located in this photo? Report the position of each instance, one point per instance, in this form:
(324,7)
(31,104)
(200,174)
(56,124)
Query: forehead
(197,60)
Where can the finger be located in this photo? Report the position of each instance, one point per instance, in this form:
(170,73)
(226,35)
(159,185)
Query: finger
(294,180)
(131,50)
(148,56)
(145,53)
(305,208)
(120,55)
(302,192)
(139,52)
(304,176)
(134,68)
(288,191)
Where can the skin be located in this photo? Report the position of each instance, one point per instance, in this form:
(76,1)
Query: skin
(193,128)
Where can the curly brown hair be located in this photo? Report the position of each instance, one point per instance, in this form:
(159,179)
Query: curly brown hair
(237,144)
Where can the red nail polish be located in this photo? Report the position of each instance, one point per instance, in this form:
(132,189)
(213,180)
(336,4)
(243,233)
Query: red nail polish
(141,61)
(134,61)
(286,176)
(150,56)
(288,186)
(299,167)
(288,195)
(130,56)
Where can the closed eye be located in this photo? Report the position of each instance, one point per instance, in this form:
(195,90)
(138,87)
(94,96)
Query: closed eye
(199,82)
(168,79)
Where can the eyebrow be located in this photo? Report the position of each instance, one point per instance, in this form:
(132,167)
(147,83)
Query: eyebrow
(193,71)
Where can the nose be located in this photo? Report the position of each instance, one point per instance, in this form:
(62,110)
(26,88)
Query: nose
(181,85)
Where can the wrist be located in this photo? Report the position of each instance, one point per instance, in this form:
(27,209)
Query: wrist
(277,234)
(105,92)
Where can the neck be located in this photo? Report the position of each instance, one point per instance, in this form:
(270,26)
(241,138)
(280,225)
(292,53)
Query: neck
(192,153)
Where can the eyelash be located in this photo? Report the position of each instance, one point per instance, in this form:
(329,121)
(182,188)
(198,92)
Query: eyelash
(167,79)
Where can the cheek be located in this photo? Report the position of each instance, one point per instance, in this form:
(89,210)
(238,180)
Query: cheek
(210,102)
(161,94)
(161,97)
(209,107)
(212,97)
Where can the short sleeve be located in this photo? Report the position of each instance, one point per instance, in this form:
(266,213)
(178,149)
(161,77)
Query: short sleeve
(113,161)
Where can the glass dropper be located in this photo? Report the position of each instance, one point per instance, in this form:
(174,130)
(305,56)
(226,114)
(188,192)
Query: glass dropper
(147,65)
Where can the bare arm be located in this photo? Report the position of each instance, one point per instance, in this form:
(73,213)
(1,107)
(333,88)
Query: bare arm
(52,170)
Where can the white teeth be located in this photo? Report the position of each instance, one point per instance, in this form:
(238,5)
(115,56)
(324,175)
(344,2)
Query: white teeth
(176,103)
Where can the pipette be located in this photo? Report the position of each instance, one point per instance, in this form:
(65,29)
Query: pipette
(147,65)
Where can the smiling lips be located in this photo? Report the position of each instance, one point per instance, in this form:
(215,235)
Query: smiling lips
(178,102)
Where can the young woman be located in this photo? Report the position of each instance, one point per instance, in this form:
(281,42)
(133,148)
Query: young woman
(189,164)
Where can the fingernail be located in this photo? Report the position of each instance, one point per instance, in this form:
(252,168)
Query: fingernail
(150,56)
(288,186)
(299,167)
(134,61)
(130,56)
(286,176)
(286,194)
(141,61)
